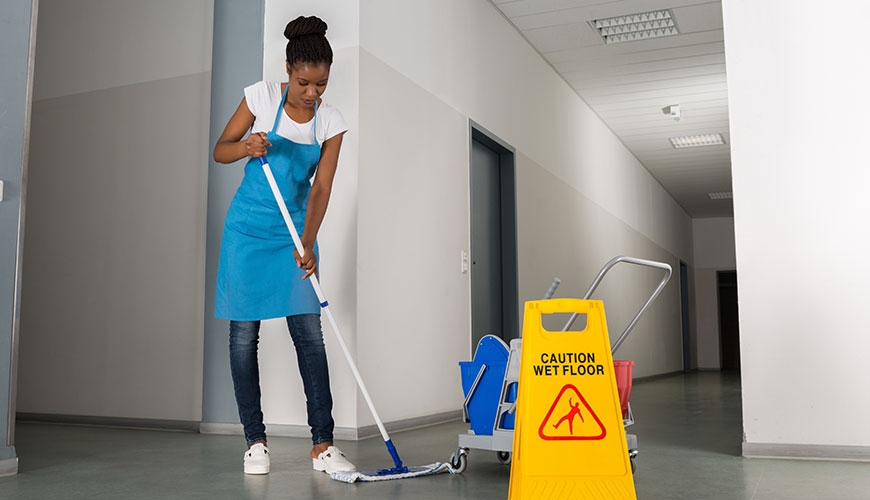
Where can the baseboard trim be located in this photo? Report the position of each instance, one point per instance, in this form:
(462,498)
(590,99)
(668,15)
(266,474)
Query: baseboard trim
(340,433)
(407,424)
(8,466)
(277,430)
(116,422)
(807,452)
(220,429)
(659,376)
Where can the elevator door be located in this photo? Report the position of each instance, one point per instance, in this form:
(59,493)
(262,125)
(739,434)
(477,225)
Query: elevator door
(486,237)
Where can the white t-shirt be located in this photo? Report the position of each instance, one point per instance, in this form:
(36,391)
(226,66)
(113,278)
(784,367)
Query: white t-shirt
(263,99)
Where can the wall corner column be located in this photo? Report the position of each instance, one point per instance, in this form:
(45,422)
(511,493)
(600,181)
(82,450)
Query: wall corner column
(17,50)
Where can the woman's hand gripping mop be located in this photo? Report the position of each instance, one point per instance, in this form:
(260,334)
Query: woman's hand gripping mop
(399,471)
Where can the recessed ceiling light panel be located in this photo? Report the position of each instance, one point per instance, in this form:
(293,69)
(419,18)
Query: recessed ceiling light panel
(695,141)
(632,27)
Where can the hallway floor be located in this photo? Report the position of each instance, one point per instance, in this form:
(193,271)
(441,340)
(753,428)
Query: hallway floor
(688,427)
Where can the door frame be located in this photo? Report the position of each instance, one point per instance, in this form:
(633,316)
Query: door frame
(9,464)
(685,323)
(508,210)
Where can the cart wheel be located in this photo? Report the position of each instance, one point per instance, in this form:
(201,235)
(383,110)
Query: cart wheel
(633,464)
(459,460)
(503,457)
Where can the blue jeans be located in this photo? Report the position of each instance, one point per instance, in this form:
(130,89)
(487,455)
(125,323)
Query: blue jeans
(307,336)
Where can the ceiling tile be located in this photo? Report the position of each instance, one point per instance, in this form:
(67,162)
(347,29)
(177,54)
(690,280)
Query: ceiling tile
(628,84)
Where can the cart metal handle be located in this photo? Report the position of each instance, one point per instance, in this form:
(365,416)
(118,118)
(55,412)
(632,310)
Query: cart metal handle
(552,290)
(466,417)
(604,270)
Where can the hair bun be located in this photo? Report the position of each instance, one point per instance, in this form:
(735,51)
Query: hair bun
(302,26)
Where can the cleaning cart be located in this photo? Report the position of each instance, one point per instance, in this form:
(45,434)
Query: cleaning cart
(490,381)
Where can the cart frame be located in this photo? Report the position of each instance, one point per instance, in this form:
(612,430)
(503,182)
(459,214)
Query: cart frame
(501,439)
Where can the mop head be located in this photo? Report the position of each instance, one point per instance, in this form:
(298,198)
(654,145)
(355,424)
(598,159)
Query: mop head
(387,474)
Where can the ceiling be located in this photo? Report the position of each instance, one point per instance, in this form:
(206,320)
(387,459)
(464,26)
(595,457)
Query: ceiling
(627,85)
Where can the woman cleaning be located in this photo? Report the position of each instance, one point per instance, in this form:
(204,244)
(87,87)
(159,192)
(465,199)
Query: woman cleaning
(260,273)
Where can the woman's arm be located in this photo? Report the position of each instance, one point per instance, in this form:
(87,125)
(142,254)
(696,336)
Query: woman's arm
(318,199)
(230,147)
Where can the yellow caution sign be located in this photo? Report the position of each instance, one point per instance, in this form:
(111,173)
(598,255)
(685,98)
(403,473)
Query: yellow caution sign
(569,438)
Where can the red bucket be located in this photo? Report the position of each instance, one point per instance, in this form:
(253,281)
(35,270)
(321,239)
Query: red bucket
(623,383)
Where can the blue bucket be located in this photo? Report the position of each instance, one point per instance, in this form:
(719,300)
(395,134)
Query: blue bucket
(483,405)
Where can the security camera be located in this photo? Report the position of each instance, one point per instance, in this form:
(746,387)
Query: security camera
(673,111)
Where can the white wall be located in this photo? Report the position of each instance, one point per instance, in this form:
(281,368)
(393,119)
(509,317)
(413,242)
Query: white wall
(467,55)
(394,230)
(112,298)
(799,107)
(714,251)
(397,224)
(413,222)
(283,397)
(427,67)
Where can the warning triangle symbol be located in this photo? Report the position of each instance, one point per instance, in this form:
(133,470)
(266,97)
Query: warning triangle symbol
(571,418)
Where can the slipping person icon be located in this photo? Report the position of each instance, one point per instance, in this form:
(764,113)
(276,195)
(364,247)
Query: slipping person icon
(574,412)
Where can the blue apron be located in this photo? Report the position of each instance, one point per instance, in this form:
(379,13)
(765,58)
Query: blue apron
(257,275)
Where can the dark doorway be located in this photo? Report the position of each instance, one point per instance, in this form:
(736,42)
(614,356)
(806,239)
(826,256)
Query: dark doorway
(729,326)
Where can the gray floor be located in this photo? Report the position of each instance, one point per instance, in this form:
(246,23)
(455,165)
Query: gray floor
(688,427)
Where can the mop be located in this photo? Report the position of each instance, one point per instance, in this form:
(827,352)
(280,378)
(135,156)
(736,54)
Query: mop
(399,471)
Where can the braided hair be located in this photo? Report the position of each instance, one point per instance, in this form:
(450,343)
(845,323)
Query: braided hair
(306,41)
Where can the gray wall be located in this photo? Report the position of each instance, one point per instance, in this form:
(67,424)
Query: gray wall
(114,255)
(15,50)
(714,252)
(581,196)
(237,61)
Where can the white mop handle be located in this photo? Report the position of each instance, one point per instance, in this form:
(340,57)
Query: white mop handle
(323,303)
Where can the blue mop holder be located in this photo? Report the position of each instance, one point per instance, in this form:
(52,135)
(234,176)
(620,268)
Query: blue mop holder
(399,468)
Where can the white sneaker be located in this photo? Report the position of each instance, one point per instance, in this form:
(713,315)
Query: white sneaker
(257,459)
(332,460)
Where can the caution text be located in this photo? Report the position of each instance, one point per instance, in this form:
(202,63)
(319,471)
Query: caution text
(568,364)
